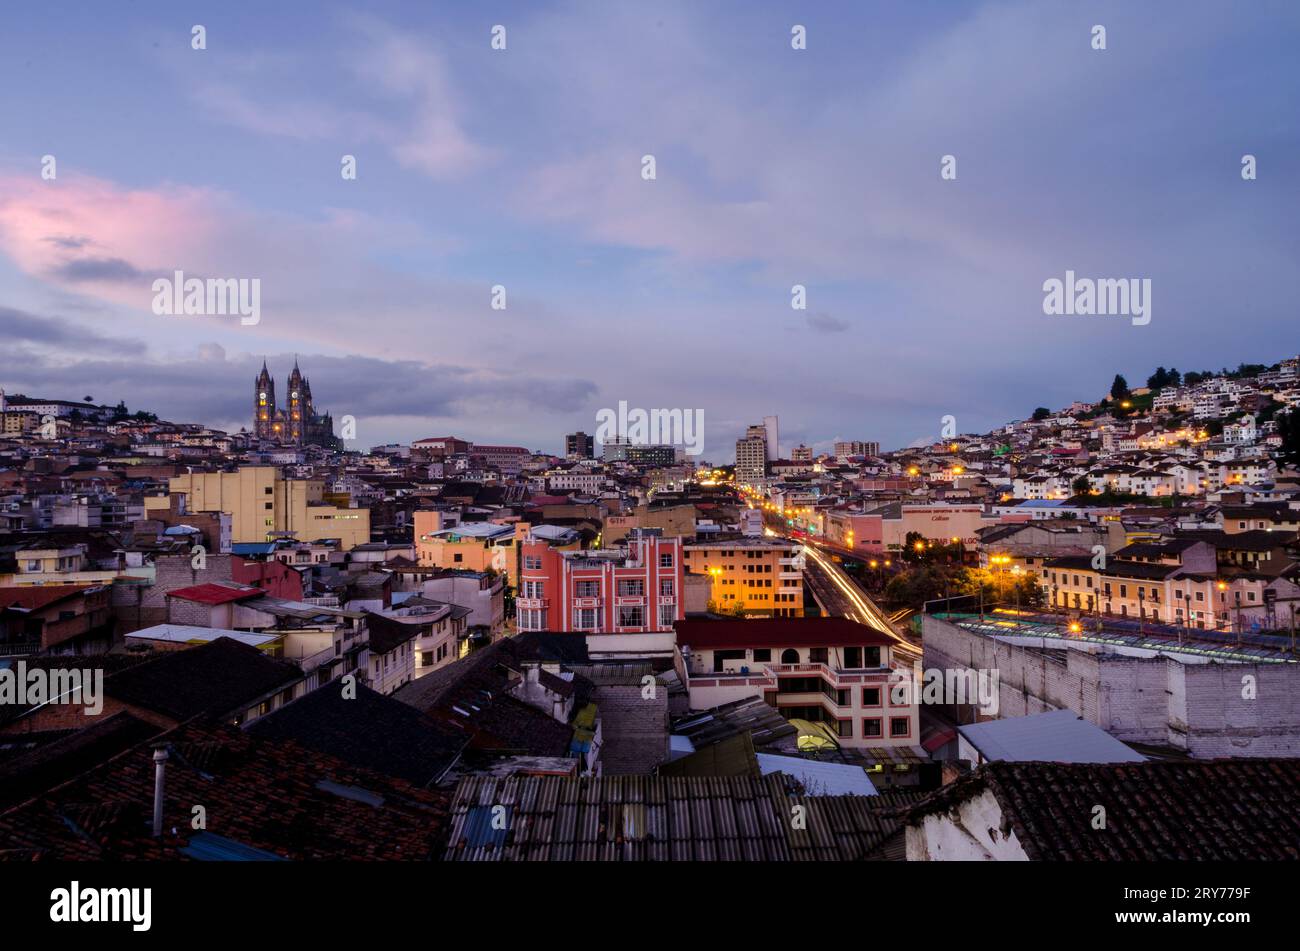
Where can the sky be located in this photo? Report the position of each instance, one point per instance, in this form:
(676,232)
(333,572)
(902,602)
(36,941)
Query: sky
(523,168)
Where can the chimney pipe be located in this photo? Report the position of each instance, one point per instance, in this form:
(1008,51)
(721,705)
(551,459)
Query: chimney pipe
(159,774)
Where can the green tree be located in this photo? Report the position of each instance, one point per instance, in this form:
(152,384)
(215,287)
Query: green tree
(910,543)
(1119,388)
(1042,413)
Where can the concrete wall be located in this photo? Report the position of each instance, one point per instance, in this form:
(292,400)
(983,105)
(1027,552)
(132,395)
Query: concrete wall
(971,833)
(1207,709)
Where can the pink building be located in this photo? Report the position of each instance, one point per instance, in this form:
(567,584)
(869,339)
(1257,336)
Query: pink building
(633,590)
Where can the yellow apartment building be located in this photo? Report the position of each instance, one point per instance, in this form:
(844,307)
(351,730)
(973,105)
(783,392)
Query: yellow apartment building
(261,504)
(763,577)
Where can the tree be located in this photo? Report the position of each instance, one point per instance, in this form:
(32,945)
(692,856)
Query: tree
(1041,413)
(1159,379)
(910,550)
(1175,378)
(1119,388)
(1081,485)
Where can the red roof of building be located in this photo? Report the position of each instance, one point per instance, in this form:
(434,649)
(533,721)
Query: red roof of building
(215,593)
(36,596)
(778,632)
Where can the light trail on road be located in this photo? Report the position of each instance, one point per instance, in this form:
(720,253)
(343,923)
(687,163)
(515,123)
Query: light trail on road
(863,604)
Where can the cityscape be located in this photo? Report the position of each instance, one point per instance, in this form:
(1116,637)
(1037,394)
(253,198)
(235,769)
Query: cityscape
(441,510)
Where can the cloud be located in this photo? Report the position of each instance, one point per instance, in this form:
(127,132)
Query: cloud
(826,324)
(21,330)
(209,386)
(412,108)
(97,269)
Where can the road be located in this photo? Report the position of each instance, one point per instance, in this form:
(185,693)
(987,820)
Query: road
(841,596)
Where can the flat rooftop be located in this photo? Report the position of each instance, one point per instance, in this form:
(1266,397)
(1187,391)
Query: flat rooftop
(1118,633)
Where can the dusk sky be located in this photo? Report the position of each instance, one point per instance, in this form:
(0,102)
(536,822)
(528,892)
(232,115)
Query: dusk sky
(522,168)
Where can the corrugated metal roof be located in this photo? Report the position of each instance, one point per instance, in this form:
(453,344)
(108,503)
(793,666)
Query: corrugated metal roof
(656,818)
(1060,736)
(819,777)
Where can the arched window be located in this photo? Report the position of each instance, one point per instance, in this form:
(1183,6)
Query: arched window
(789,656)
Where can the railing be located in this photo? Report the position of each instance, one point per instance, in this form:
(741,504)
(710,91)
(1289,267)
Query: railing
(14,650)
(310,662)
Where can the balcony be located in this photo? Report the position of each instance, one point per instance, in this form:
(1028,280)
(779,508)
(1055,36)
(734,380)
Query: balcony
(533,603)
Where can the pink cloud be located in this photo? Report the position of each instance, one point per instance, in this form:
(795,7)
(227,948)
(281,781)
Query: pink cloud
(83,232)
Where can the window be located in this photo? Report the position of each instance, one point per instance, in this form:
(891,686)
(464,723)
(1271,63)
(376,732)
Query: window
(667,615)
(268,505)
(458,557)
(631,616)
(666,561)
(899,726)
(532,619)
(870,728)
(631,588)
(666,587)
(818,655)
(534,589)
(871,696)
(789,656)
(587,589)
(845,727)
(762,655)
(586,619)
(532,562)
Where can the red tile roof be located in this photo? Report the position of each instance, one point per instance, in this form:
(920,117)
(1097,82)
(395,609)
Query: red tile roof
(215,593)
(1220,810)
(778,632)
(32,597)
(263,793)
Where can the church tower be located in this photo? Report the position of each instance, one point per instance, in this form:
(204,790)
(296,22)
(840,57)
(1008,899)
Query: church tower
(297,410)
(264,413)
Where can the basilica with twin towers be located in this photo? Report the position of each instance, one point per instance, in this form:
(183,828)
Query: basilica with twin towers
(296,423)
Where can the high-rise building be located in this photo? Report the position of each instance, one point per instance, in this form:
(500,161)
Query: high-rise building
(298,423)
(852,447)
(616,450)
(752,455)
(652,455)
(801,453)
(579,446)
(773,433)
